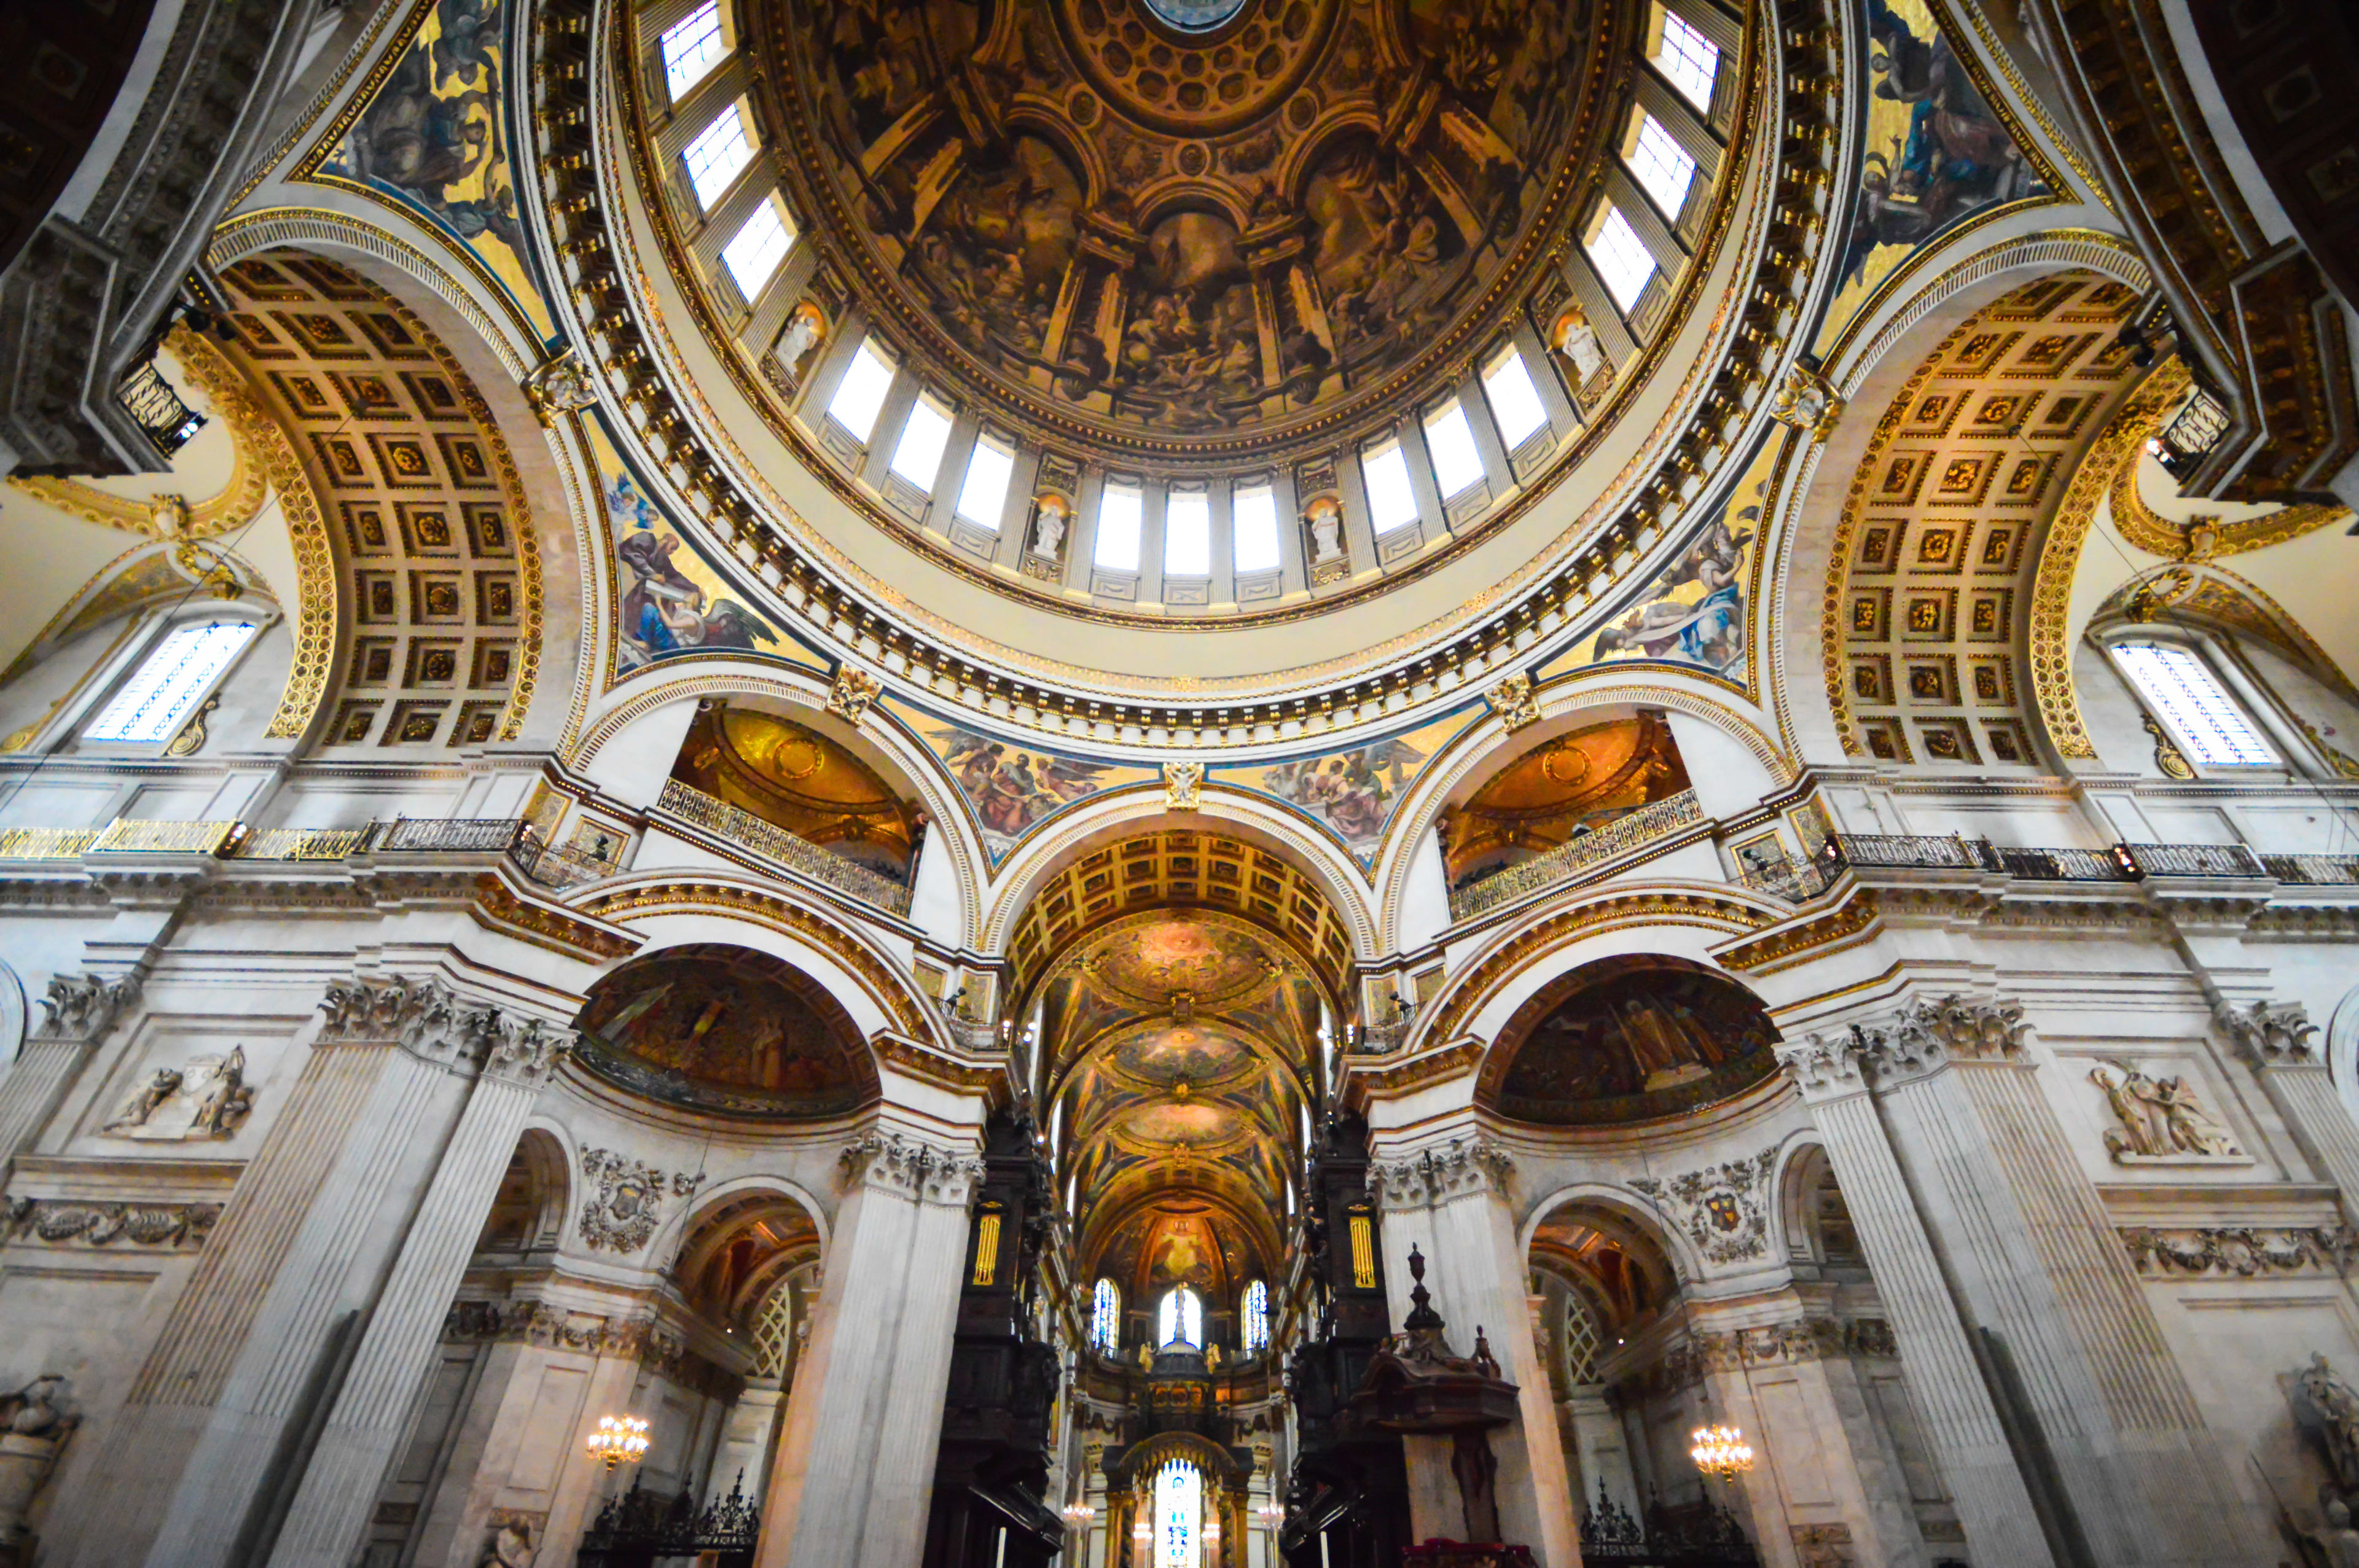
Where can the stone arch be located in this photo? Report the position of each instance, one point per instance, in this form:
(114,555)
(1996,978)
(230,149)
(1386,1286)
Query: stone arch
(677,908)
(740,1241)
(1249,819)
(534,1195)
(2342,1049)
(1870,371)
(1800,1217)
(1631,1210)
(497,351)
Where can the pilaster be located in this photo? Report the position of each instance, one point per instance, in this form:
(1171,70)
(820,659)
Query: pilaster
(79,1012)
(514,1057)
(1452,1201)
(2281,1044)
(1953,1401)
(2032,1252)
(856,1465)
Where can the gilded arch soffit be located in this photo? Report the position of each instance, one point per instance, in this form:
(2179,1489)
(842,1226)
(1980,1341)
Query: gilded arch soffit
(428,509)
(1930,576)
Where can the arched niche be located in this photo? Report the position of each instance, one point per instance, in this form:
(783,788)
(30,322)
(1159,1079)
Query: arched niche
(529,1211)
(1562,786)
(808,775)
(1817,1221)
(1632,1038)
(729,1031)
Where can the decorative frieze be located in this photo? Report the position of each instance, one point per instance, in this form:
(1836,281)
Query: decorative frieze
(1434,1176)
(2247,1251)
(621,1214)
(911,1167)
(1705,1353)
(84,1007)
(1724,1209)
(176,1226)
(207,1097)
(2162,1120)
(2271,1034)
(551,1328)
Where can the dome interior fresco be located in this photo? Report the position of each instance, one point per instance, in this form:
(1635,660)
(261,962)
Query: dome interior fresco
(796,778)
(1562,789)
(727,1030)
(1626,1040)
(1166,241)
(1177,1046)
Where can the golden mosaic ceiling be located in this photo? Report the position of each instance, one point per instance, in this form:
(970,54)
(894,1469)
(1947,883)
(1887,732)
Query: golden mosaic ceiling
(1164,242)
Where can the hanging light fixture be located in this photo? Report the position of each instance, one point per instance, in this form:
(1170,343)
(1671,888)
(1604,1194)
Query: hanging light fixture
(1078,1514)
(1720,1450)
(619,1440)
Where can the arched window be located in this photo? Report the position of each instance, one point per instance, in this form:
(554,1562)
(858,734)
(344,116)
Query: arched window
(1180,1320)
(1105,1318)
(2211,730)
(1255,1326)
(1179,1511)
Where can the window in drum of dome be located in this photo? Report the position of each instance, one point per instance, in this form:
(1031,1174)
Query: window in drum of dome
(1689,60)
(2183,691)
(1457,462)
(1661,165)
(753,257)
(1392,501)
(862,391)
(1121,511)
(1515,401)
(719,155)
(182,669)
(919,457)
(692,47)
(983,496)
(1621,257)
(1252,510)
(1188,534)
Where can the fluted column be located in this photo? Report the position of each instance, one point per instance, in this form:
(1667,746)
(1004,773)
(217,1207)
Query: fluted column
(1451,1201)
(1961,1421)
(856,1465)
(2282,1045)
(416,1046)
(79,1010)
(330,1506)
(2036,1260)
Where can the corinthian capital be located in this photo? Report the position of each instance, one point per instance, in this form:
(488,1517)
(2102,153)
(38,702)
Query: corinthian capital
(1822,1065)
(1925,1033)
(1432,1176)
(911,1168)
(82,1008)
(2271,1034)
(524,1049)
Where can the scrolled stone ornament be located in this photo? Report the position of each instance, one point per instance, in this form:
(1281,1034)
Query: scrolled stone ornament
(2271,1034)
(83,1007)
(1822,1063)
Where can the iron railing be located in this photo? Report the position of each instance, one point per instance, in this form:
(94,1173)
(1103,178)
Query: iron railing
(149,399)
(2194,860)
(2191,433)
(1796,881)
(2326,870)
(450,835)
(2055,865)
(792,851)
(306,843)
(639,1526)
(554,866)
(1649,822)
(1906,852)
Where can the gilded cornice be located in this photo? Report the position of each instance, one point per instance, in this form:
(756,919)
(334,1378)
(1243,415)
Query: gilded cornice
(2059,557)
(1845,925)
(1389,1078)
(644,901)
(2157,535)
(499,907)
(1472,990)
(1066,707)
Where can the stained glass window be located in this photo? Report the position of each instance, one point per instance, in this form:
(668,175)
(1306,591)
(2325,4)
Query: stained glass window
(1178,1514)
(155,700)
(1255,1326)
(1105,1318)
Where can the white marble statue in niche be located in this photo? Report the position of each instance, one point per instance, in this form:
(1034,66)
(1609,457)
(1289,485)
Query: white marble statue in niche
(209,1098)
(2162,1120)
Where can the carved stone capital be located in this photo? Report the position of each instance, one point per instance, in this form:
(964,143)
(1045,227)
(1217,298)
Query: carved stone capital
(1923,1034)
(1434,1176)
(1823,1066)
(436,1024)
(912,1168)
(82,1008)
(2271,1034)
